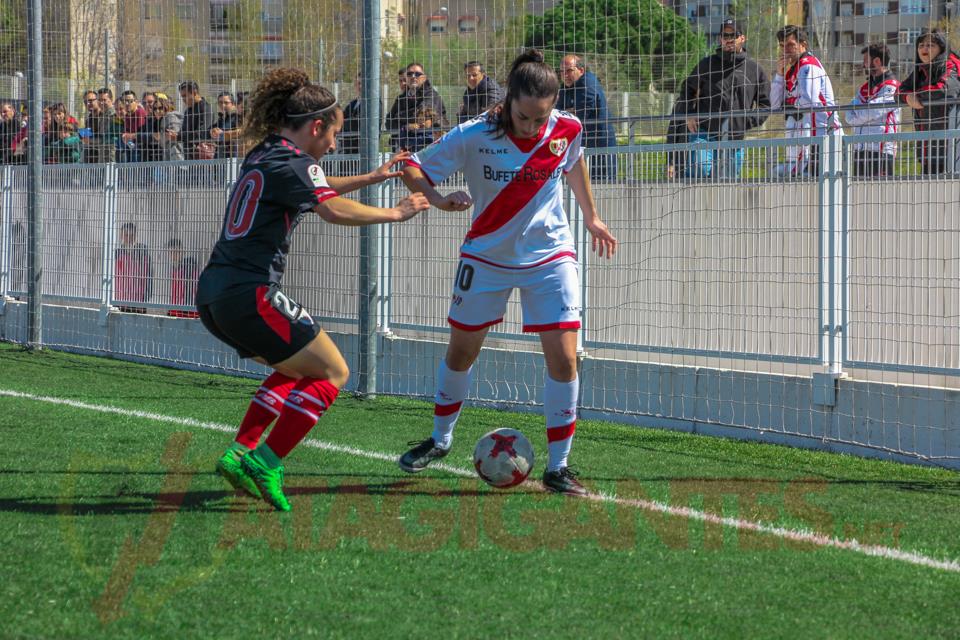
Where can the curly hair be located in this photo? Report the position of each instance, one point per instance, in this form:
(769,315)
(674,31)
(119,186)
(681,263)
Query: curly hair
(529,76)
(285,97)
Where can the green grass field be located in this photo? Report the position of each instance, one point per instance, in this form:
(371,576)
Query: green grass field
(115,526)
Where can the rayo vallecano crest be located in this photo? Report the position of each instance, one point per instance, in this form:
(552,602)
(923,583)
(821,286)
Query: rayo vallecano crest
(558,146)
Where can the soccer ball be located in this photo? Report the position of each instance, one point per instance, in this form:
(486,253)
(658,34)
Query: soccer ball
(503,458)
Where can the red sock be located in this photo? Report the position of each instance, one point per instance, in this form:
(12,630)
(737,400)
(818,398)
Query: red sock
(304,406)
(265,406)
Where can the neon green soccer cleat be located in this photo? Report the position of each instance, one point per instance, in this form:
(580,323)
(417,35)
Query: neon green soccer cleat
(269,481)
(229,467)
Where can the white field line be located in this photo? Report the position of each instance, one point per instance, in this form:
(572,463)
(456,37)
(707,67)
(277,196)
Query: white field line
(793,535)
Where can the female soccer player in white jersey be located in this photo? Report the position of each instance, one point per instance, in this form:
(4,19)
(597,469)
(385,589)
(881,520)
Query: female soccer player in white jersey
(513,158)
(239,296)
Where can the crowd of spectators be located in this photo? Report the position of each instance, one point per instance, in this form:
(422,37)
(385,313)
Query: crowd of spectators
(146,129)
(727,94)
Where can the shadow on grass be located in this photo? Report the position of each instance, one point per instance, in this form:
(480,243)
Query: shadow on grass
(128,502)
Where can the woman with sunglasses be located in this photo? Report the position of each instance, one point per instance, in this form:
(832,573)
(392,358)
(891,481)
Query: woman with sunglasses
(239,297)
(418,96)
(513,159)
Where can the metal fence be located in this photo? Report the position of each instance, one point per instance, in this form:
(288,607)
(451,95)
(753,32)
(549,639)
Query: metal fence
(833,270)
(822,307)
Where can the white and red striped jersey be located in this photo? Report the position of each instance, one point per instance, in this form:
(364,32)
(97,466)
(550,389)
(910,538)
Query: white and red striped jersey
(806,84)
(880,113)
(518,218)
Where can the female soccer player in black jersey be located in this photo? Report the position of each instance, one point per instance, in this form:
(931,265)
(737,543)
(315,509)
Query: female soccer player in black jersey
(239,296)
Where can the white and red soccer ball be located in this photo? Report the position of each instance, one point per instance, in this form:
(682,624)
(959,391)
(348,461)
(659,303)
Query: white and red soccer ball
(503,458)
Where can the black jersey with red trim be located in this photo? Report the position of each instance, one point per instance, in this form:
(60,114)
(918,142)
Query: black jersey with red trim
(277,185)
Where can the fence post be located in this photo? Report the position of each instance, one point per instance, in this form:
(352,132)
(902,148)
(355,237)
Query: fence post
(369,158)
(582,245)
(109,240)
(386,255)
(6,232)
(35,178)
(832,183)
(836,182)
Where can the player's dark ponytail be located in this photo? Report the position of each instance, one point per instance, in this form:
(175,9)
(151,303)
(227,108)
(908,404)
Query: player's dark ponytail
(285,97)
(529,76)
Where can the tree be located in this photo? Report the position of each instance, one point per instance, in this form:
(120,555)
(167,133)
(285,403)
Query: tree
(321,36)
(13,37)
(634,43)
(760,19)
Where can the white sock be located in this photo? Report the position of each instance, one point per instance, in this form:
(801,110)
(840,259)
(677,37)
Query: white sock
(452,387)
(560,409)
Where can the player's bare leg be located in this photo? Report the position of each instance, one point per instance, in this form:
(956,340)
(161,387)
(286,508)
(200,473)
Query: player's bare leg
(560,394)
(453,383)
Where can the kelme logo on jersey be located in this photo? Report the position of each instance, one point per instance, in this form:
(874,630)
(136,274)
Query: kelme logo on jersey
(558,146)
(316,175)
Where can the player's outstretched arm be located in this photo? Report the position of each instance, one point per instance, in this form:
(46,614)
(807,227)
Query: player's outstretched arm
(350,213)
(418,183)
(604,243)
(346,184)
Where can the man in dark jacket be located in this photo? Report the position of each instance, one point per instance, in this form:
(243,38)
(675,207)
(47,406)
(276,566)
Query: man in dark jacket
(582,95)
(418,97)
(197,120)
(727,81)
(482,92)
(349,141)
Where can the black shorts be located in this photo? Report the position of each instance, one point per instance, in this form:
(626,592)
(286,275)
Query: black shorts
(260,321)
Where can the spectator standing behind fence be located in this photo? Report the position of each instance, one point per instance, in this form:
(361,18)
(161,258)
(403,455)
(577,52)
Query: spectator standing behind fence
(802,83)
(482,92)
(147,100)
(877,113)
(134,118)
(61,142)
(727,81)
(228,119)
(184,271)
(352,121)
(100,127)
(421,132)
(170,131)
(418,96)
(582,95)
(114,123)
(149,139)
(935,79)
(132,271)
(9,131)
(197,120)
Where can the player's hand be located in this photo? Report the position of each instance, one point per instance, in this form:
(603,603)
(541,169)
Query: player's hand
(914,102)
(693,125)
(604,244)
(456,201)
(387,170)
(411,206)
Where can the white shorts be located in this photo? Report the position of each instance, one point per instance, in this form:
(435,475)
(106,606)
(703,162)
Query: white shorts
(549,295)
